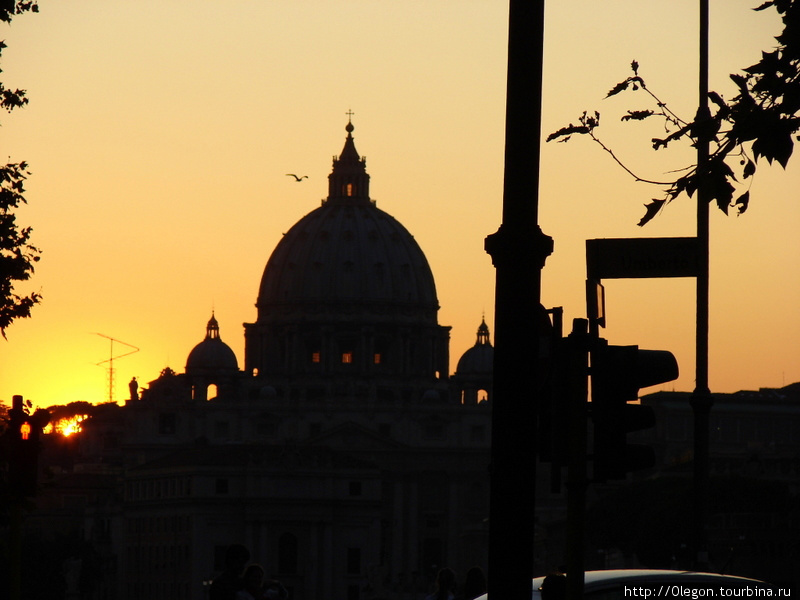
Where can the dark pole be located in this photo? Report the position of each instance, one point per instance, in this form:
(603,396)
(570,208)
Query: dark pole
(577,480)
(701,398)
(518,250)
(17,415)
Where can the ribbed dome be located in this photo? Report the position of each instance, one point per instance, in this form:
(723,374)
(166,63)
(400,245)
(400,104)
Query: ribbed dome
(478,360)
(212,354)
(346,253)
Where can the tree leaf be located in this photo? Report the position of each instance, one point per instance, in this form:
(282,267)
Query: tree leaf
(567,131)
(722,191)
(637,115)
(659,143)
(652,210)
(741,82)
(774,141)
(765,5)
(620,87)
(742,202)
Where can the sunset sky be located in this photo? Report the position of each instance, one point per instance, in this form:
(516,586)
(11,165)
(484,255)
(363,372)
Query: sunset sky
(159,133)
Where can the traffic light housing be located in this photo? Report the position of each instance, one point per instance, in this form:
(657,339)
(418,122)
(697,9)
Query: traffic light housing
(617,374)
(563,410)
(23,445)
(552,437)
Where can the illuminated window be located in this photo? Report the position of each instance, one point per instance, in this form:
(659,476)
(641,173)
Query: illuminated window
(347,357)
(376,358)
(25,430)
(315,357)
(349,189)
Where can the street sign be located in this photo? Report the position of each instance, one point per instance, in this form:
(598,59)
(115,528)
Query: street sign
(636,258)
(595,303)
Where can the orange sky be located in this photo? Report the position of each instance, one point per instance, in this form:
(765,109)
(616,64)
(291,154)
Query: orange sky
(159,135)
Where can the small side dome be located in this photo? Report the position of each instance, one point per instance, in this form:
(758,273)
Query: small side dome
(474,373)
(478,360)
(212,354)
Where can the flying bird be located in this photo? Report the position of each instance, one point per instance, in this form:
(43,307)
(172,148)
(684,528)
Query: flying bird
(296,178)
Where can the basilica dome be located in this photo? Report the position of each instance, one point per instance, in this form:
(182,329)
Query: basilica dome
(348,293)
(347,255)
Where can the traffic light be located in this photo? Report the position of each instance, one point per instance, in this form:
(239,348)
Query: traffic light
(562,417)
(553,422)
(24,446)
(617,374)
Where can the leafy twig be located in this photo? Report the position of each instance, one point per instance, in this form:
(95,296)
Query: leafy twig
(762,116)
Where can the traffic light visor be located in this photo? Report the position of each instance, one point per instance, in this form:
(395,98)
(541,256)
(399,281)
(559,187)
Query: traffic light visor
(654,367)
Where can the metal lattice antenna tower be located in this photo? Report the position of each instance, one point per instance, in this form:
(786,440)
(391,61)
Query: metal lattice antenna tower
(111,360)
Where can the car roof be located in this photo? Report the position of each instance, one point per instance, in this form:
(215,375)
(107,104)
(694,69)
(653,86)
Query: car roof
(644,575)
(597,581)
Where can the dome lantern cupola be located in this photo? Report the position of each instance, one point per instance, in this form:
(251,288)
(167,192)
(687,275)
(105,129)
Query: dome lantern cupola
(349,181)
(483,334)
(212,329)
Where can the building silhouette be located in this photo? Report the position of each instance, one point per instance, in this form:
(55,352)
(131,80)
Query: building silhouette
(341,452)
(349,461)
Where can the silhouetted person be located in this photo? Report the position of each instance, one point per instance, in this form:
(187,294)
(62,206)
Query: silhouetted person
(554,587)
(274,590)
(133,386)
(230,581)
(474,583)
(257,587)
(253,581)
(445,582)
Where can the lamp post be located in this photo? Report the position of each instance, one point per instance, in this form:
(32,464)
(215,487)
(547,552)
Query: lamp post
(701,397)
(518,250)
